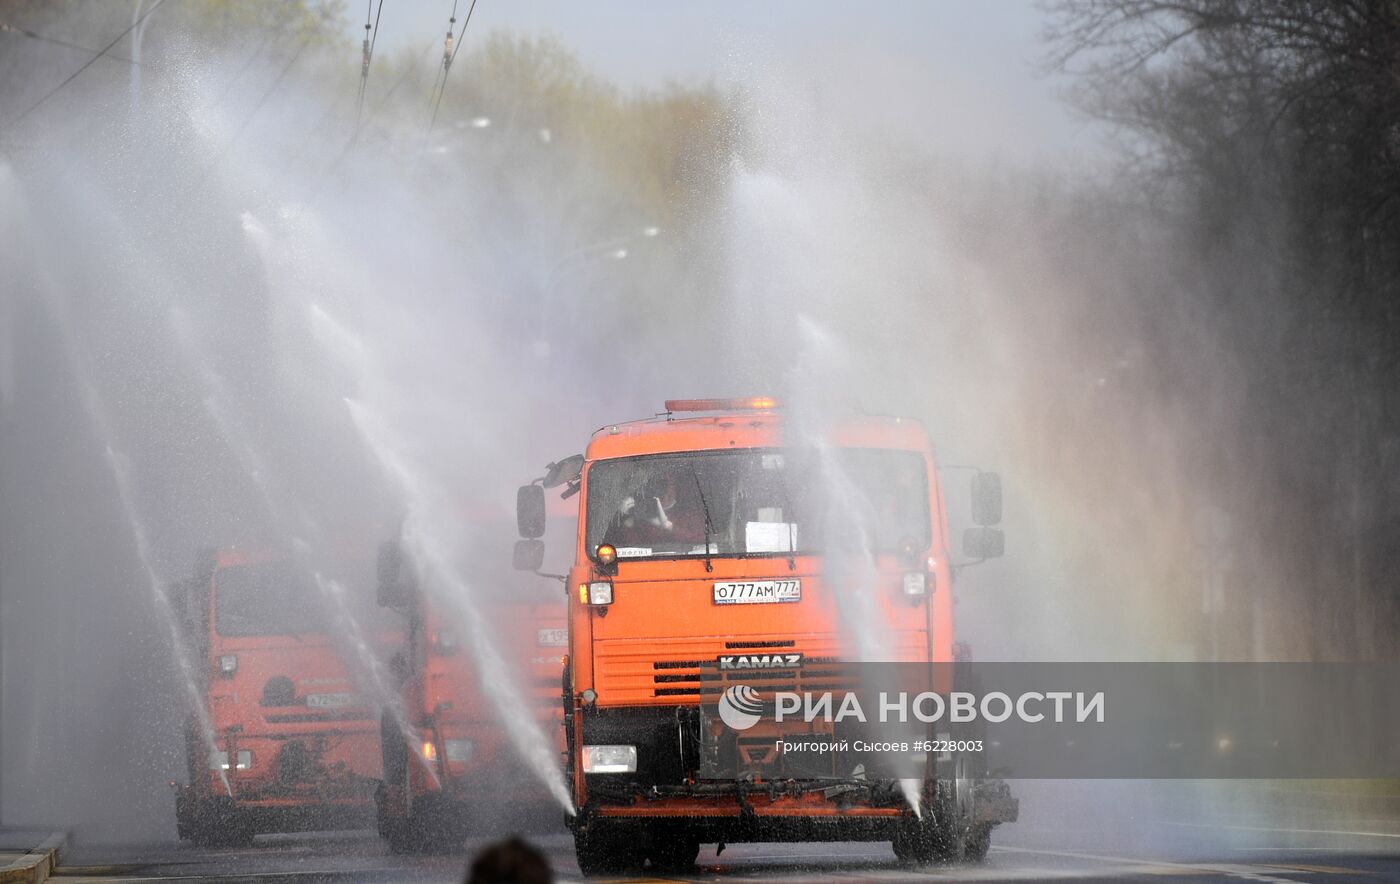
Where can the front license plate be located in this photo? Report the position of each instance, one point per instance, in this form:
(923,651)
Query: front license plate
(329,701)
(758,592)
(552,638)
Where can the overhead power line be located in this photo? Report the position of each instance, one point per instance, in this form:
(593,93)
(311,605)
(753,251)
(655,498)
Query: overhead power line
(370,40)
(89,63)
(276,82)
(6,28)
(449,55)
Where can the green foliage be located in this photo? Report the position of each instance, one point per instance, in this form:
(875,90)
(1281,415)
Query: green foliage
(657,148)
(215,21)
(314,21)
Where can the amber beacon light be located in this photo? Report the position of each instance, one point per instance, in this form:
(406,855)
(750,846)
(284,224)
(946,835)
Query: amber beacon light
(753,403)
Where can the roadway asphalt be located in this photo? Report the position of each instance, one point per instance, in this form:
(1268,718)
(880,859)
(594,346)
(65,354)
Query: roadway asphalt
(1068,831)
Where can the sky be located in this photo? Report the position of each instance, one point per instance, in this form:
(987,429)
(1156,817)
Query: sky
(977,63)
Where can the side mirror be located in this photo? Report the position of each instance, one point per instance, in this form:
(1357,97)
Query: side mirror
(529,511)
(396,582)
(205,562)
(986,498)
(566,470)
(982,542)
(529,555)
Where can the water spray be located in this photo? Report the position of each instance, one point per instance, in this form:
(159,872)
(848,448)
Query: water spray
(429,550)
(126,495)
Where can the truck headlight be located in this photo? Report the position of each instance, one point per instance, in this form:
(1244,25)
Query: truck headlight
(600,593)
(444,642)
(458,750)
(915,583)
(218,759)
(609,759)
(228,664)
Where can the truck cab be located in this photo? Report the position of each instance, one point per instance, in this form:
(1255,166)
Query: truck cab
(292,743)
(719,538)
(451,767)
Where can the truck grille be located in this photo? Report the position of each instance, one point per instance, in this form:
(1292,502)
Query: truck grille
(644,672)
(816,674)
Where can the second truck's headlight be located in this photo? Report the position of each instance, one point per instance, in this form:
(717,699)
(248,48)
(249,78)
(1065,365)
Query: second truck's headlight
(458,750)
(609,759)
(218,759)
(915,583)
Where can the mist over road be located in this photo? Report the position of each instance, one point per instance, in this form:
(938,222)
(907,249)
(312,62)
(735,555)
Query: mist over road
(277,285)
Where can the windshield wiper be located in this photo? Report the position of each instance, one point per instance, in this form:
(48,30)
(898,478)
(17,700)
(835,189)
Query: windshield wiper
(709,526)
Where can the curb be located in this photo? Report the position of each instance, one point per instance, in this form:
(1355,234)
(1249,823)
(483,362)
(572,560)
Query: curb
(37,864)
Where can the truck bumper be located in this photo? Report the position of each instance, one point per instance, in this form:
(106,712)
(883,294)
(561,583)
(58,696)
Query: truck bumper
(792,811)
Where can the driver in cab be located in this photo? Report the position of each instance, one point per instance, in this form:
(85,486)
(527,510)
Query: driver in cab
(667,511)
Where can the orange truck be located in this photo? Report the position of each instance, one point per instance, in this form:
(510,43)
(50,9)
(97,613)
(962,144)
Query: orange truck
(294,744)
(450,765)
(700,552)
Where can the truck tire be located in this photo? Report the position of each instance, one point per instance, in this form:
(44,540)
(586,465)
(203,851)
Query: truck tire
(932,839)
(435,826)
(221,827)
(672,849)
(400,837)
(602,849)
(977,843)
(947,832)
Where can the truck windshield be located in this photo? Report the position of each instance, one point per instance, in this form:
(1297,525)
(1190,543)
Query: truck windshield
(758,501)
(268,598)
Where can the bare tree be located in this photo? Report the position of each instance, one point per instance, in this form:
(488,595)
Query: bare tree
(1270,132)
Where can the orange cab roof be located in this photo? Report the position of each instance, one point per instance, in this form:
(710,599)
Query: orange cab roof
(228,557)
(744,429)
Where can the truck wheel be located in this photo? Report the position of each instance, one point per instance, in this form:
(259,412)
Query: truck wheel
(217,822)
(240,834)
(433,827)
(416,835)
(228,832)
(399,836)
(900,845)
(977,842)
(673,850)
(605,850)
(928,840)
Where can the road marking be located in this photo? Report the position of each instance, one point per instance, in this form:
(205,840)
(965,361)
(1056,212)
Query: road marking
(1285,831)
(1282,849)
(248,876)
(1230,870)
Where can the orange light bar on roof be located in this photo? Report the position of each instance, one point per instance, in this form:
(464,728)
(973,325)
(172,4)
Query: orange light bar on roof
(753,403)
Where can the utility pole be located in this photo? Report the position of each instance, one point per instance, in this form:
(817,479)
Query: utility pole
(138,35)
(4,452)
(2,661)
